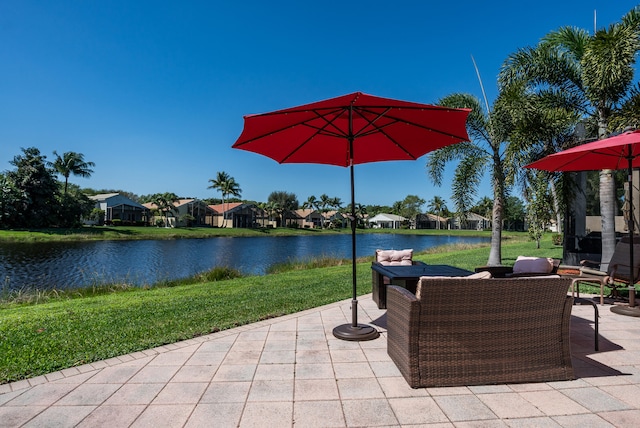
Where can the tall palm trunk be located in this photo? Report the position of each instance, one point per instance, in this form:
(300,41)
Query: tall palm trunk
(224,213)
(607,216)
(556,207)
(495,254)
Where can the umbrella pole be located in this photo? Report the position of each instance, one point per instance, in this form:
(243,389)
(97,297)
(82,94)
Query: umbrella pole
(354,331)
(354,283)
(631,227)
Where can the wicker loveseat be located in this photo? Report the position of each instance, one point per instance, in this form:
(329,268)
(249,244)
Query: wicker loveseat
(460,331)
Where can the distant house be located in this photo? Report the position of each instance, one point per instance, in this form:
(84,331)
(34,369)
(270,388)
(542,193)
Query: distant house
(193,212)
(238,214)
(387,221)
(431,221)
(187,213)
(473,222)
(309,218)
(335,219)
(120,208)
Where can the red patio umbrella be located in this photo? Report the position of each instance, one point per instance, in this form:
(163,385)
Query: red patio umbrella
(347,130)
(617,152)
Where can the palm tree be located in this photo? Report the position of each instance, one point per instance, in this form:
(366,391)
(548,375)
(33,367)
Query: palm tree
(595,72)
(437,205)
(165,204)
(325,206)
(396,208)
(489,132)
(484,207)
(360,211)
(543,123)
(227,186)
(271,208)
(263,208)
(335,203)
(538,212)
(71,163)
(311,203)
(283,202)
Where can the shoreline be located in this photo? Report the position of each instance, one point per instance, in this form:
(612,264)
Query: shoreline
(105,233)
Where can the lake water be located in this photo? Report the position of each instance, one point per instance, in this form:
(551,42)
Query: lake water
(65,265)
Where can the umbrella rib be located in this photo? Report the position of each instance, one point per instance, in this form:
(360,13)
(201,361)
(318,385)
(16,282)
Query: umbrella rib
(613,155)
(323,129)
(374,130)
(408,122)
(319,130)
(303,123)
(380,129)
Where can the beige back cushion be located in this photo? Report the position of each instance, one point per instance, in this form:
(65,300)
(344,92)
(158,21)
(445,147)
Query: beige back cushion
(477,275)
(395,257)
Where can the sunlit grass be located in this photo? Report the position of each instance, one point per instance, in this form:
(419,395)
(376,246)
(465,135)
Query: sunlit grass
(32,296)
(311,263)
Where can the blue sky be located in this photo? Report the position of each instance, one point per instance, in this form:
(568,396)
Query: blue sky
(154,92)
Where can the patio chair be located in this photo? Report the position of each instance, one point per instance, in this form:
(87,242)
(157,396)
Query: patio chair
(388,258)
(618,273)
(460,331)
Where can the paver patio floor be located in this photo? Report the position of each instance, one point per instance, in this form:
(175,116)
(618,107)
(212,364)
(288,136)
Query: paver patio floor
(291,371)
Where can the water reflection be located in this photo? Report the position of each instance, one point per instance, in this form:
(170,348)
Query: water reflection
(72,264)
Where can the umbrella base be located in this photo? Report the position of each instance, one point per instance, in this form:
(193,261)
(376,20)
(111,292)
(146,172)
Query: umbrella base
(359,332)
(630,311)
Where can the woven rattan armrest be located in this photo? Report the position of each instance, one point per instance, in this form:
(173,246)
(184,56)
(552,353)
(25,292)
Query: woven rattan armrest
(403,320)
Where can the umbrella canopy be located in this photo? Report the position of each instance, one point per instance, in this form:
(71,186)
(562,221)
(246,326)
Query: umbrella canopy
(382,129)
(617,152)
(348,130)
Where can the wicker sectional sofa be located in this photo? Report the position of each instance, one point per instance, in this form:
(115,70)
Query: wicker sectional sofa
(459,331)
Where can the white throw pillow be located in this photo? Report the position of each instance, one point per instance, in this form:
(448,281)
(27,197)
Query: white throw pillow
(525,264)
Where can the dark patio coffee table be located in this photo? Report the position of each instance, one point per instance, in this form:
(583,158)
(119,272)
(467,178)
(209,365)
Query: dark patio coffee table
(407,277)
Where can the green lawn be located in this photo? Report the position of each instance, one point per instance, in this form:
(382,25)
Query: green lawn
(65,332)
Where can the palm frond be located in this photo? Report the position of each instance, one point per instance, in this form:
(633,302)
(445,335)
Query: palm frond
(437,160)
(608,63)
(466,181)
(568,40)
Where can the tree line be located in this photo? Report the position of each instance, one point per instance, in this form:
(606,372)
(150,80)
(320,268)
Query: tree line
(32,197)
(281,202)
